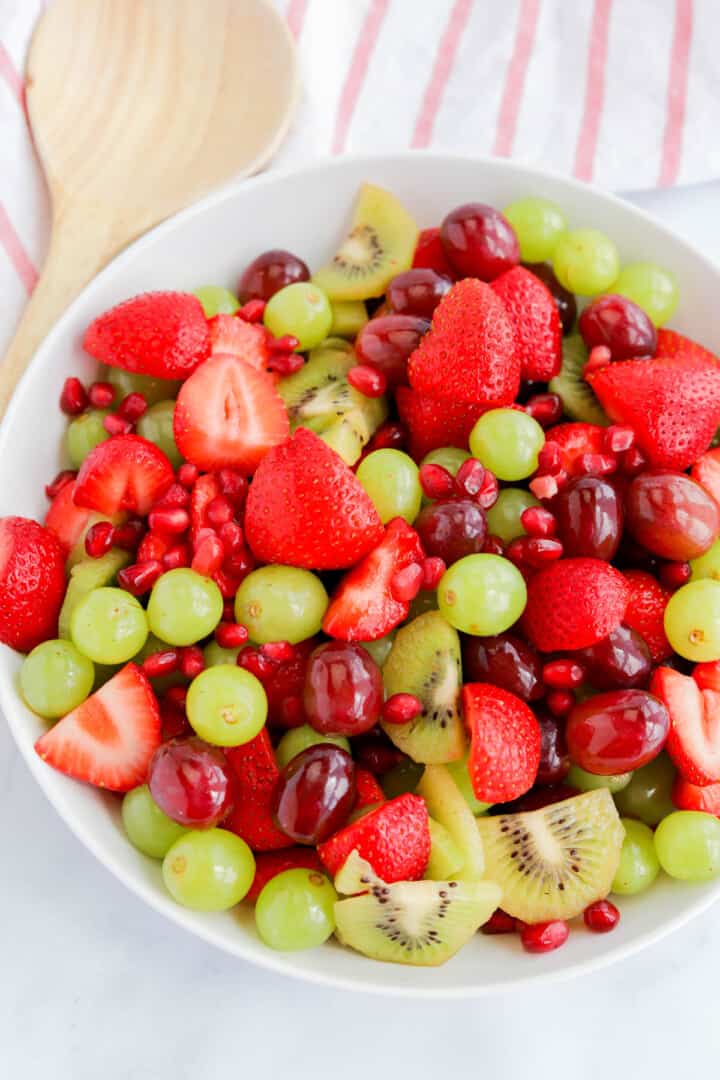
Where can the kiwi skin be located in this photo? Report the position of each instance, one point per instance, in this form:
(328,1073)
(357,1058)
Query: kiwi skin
(579,401)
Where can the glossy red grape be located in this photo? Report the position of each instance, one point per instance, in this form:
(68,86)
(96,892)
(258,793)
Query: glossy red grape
(343,692)
(620,324)
(617,732)
(386,343)
(589,518)
(190,782)
(564,300)
(376,753)
(554,760)
(505,661)
(315,793)
(417,292)
(479,241)
(269,273)
(621,661)
(452,529)
(671,515)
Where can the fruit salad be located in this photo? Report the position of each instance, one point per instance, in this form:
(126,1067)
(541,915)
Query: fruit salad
(386,596)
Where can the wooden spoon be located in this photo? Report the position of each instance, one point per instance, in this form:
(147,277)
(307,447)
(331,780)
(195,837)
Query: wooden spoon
(138,108)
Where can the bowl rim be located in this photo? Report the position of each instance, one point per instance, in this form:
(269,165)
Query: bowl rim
(269,960)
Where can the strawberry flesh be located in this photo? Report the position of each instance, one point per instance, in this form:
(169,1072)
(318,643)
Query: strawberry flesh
(126,472)
(394,839)
(694,739)
(255,775)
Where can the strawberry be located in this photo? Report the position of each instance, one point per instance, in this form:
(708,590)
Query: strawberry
(394,839)
(574,440)
(66,520)
(670,343)
(672,403)
(369,791)
(32,583)
(432,422)
(687,796)
(268,864)
(126,472)
(504,742)
(306,508)
(228,414)
(205,489)
(707,675)
(430,253)
(230,336)
(469,353)
(534,316)
(255,774)
(107,741)
(706,471)
(573,603)
(163,334)
(363,607)
(645,612)
(693,742)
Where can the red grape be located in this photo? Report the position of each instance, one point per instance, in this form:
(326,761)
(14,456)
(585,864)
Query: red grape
(343,689)
(620,324)
(617,732)
(417,292)
(452,529)
(671,515)
(386,343)
(315,793)
(269,273)
(190,782)
(589,516)
(505,661)
(564,299)
(621,661)
(554,761)
(479,242)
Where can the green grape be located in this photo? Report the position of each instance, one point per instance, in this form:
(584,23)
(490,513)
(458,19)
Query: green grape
(459,772)
(184,607)
(586,262)
(507,442)
(296,910)
(215,654)
(380,649)
(647,796)
(651,288)
(450,457)
(216,300)
(226,705)
(707,565)
(281,603)
(128,382)
(401,779)
(538,225)
(587,781)
(639,864)
(688,845)
(156,425)
(208,869)
(298,739)
(147,827)
(55,678)
(391,480)
(482,595)
(84,433)
(300,309)
(503,518)
(109,626)
(692,621)
(446,859)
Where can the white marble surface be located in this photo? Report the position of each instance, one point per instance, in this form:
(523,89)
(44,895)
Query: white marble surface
(94,986)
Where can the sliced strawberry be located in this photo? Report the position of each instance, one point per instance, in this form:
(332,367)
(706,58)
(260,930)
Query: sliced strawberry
(430,253)
(364,608)
(256,773)
(504,742)
(534,316)
(687,796)
(66,520)
(574,440)
(205,489)
(32,583)
(694,739)
(432,422)
(230,336)
(123,473)
(268,864)
(574,603)
(107,741)
(707,675)
(394,839)
(369,791)
(706,471)
(645,612)
(670,343)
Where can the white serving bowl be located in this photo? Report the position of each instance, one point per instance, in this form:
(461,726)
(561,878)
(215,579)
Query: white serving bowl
(307,212)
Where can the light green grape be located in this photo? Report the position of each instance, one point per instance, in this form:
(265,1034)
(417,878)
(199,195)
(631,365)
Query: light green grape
(391,480)
(215,654)
(226,705)
(380,649)
(209,870)
(84,433)
(587,781)
(216,300)
(538,225)
(707,565)
(688,845)
(298,739)
(507,442)
(281,603)
(348,318)
(128,382)
(482,595)
(503,518)
(651,288)
(295,910)
(586,262)
(184,607)
(109,626)
(459,772)
(55,678)
(446,859)
(450,457)
(156,425)
(300,309)
(692,621)
(647,796)
(147,827)
(639,865)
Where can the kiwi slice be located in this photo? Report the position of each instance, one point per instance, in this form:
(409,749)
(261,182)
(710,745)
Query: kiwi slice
(551,863)
(319,397)
(446,859)
(425,661)
(348,318)
(380,244)
(446,804)
(84,577)
(579,402)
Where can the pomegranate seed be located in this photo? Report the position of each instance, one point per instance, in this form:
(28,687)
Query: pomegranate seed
(192,661)
(618,438)
(401,708)
(545,936)
(550,459)
(209,554)
(129,535)
(487,496)
(73,399)
(563,674)
(227,584)
(101,395)
(560,702)
(279,652)
(537,550)
(63,478)
(406,584)
(116,425)
(176,696)
(219,511)
(285,363)
(469,478)
(240,563)
(545,408)
(140,577)
(99,539)
(253,661)
(187,475)
(174,722)
(433,569)
(176,557)
(389,436)
(286,344)
(596,464)
(545,487)
(176,495)
(499,923)
(367,380)
(601,916)
(232,537)
(436,481)
(169,520)
(538,522)
(161,663)
(252,312)
(600,356)
(493,545)
(233,485)
(292,711)
(132,407)
(230,635)
(633,461)
(515,550)
(674,574)
(153,548)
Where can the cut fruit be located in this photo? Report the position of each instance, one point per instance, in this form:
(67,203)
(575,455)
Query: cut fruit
(66,520)
(579,402)
(256,774)
(84,577)
(433,423)
(394,839)
(505,742)
(355,875)
(551,863)
(348,318)
(230,336)
(446,804)
(380,245)
(693,741)
(123,473)
(425,661)
(446,858)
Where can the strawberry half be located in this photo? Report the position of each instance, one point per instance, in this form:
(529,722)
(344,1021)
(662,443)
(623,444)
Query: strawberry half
(268,864)
(230,336)
(163,334)
(573,603)
(645,612)
(687,796)
(368,790)
(504,742)
(534,316)
(694,739)
(706,471)
(306,508)
(107,741)
(66,520)
(126,472)
(364,608)
(32,583)
(707,675)
(670,343)
(228,414)
(432,422)
(255,775)
(469,353)
(575,439)
(394,839)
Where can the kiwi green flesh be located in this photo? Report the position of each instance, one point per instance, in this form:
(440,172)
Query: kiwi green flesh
(579,401)
(446,804)
(551,863)
(446,859)
(84,577)
(348,318)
